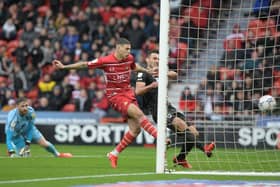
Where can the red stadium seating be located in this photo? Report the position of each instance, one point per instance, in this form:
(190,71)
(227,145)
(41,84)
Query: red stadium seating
(33,94)
(3,42)
(42,10)
(69,108)
(187,105)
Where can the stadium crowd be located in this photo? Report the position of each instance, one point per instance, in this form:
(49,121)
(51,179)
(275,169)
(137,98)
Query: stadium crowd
(34,32)
(248,69)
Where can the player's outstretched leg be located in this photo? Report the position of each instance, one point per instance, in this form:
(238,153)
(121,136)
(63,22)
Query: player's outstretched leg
(51,148)
(188,139)
(148,126)
(113,155)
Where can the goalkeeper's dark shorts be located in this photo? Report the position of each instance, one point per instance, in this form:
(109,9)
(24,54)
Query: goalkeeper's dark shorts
(171,114)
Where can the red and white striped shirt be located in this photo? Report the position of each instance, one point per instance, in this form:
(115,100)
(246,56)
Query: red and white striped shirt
(117,72)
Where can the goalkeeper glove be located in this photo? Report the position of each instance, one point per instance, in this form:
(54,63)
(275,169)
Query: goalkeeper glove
(25,152)
(12,154)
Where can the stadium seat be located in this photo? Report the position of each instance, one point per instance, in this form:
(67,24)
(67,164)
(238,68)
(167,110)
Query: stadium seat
(3,42)
(119,12)
(13,44)
(42,10)
(187,105)
(69,108)
(33,94)
(3,79)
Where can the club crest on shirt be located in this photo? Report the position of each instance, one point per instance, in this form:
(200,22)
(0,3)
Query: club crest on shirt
(111,69)
(33,115)
(13,124)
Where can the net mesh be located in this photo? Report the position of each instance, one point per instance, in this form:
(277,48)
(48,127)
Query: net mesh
(227,56)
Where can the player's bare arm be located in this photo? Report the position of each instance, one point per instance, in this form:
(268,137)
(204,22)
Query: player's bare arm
(79,65)
(152,71)
(172,75)
(139,68)
(142,88)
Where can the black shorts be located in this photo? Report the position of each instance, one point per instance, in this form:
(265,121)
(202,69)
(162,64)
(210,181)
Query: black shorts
(171,114)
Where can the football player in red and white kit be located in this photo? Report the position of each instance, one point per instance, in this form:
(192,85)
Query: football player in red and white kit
(117,69)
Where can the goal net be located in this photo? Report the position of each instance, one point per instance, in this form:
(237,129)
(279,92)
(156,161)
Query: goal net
(227,55)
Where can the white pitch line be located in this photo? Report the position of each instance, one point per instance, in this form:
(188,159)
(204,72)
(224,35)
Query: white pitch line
(74,156)
(73,177)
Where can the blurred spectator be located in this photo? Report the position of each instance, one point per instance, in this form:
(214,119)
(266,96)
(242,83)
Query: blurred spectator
(46,86)
(29,11)
(100,104)
(213,75)
(77,90)
(43,35)
(60,20)
(36,53)
(100,36)
(67,89)
(78,51)
(39,25)
(252,63)
(186,94)
(6,66)
(152,28)
(189,33)
(81,23)
(58,51)
(94,19)
(18,79)
(32,75)
(207,101)
(261,7)
(91,90)
(57,100)
(70,40)
(236,33)
(3,88)
(267,42)
(21,54)
(73,77)
(28,34)
(241,104)
(9,30)
(7,95)
(43,104)
(61,32)
(3,12)
(47,53)
(85,42)
(136,36)
(83,102)
(11,105)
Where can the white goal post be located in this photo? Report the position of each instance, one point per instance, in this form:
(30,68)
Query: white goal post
(162,86)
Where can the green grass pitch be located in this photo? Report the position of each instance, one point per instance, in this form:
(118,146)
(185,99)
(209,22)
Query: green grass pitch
(90,166)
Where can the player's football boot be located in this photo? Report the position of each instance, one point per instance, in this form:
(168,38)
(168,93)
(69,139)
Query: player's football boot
(208,148)
(65,155)
(184,163)
(113,159)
